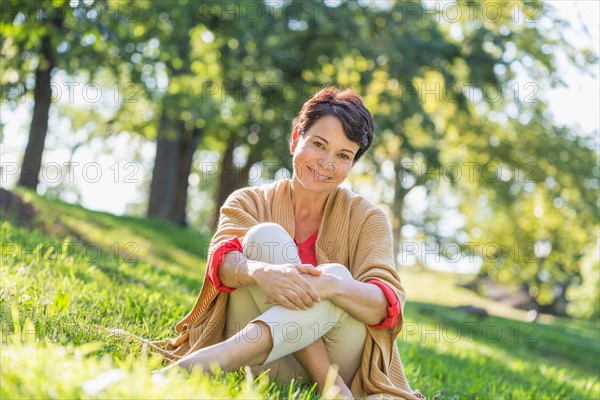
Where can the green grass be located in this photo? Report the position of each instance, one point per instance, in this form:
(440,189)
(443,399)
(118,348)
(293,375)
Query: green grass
(77,272)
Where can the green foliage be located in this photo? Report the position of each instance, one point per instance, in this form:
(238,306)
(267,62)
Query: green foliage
(59,299)
(584,302)
(528,190)
(447,94)
(82,36)
(495,158)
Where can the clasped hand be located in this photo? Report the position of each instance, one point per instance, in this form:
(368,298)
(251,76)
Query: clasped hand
(285,285)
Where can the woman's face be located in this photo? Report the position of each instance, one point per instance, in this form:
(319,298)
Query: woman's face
(323,156)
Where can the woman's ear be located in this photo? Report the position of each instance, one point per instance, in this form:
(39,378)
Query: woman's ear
(294,139)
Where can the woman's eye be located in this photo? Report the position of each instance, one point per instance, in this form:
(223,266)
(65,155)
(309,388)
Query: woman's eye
(344,156)
(318,144)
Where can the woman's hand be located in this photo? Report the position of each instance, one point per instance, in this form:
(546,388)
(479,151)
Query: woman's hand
(285,284)
(324,284)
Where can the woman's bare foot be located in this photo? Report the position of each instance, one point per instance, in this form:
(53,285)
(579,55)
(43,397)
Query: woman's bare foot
(315,361)
(343,388)
(231,354)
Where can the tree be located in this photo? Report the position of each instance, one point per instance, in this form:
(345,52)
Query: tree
(40,37)
(185,60)
(476,112)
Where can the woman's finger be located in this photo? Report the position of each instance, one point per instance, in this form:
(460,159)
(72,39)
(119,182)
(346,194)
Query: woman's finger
(269,300)
(309,289)
(308,269)
(287,303)
(296,289)
(289,289)
(294,294)
(304,294)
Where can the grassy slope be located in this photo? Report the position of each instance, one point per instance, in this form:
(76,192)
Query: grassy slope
(87,270)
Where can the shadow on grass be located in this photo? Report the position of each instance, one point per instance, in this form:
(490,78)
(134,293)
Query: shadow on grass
(164,243)
(530,341)
(480,376)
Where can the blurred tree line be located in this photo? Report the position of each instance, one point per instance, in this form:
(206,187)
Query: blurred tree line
(453,88)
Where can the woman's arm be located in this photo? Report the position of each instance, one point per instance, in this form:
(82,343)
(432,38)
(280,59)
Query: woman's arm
(226,270)
(364,301)
(284,283)
(371,263)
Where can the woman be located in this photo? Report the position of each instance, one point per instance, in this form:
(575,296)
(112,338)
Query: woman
(301,272)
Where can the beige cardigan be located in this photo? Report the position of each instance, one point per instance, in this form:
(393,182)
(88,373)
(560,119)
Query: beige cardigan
(353,232)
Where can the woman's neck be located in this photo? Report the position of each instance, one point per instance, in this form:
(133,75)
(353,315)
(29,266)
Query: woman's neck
(307,205)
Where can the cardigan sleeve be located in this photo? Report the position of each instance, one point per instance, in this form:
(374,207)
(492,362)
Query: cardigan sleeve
(374,258)
(213,266)
(393,305)
(237,215)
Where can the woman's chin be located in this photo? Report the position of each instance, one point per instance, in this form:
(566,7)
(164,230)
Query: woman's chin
(316,186)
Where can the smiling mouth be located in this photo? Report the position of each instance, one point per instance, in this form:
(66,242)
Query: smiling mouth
(318,176)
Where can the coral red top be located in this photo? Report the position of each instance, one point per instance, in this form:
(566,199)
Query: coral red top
(307,253)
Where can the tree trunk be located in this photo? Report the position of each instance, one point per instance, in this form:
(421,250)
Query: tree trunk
(32,159)
(164,174)
(189,143)
(397,222)
(559,304)
(175,148)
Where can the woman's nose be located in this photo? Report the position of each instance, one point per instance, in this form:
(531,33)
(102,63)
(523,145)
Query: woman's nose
(327,165)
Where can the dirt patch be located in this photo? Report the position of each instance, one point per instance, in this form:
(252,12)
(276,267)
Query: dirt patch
(14,207)
(23,213)
(515,296)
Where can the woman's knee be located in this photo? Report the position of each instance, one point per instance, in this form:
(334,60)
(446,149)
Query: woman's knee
(269,242)
(336,269)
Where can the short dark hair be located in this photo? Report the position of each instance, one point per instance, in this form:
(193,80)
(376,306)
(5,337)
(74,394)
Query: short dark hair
(347,106)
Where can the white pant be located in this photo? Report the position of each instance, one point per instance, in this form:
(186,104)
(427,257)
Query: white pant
(291,330)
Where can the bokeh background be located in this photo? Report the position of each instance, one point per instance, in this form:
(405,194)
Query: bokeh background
(486,115)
